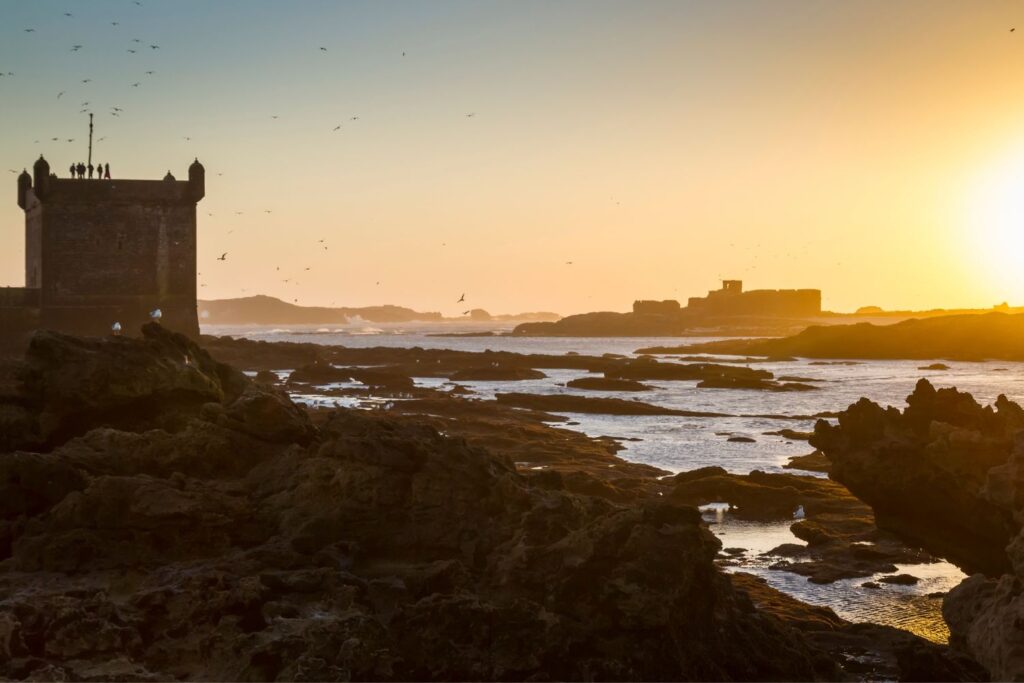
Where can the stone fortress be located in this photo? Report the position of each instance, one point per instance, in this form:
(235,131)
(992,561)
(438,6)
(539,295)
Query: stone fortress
(731,300)
(99,252)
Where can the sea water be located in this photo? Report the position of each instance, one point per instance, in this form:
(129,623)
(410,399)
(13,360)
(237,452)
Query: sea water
(684,443)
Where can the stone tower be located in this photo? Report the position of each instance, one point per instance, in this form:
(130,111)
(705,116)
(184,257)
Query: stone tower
(105,251)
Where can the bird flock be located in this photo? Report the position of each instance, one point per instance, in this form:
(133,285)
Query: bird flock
(149,54)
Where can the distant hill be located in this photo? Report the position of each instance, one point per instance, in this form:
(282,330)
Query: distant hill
(957,337)
(268,310)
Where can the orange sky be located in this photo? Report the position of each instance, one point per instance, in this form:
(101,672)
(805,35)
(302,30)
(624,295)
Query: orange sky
(872,149)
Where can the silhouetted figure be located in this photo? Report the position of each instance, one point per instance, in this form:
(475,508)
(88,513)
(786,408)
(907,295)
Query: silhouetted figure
(81,170)
(106,171)
(72,170)
(99,171)
(91,169)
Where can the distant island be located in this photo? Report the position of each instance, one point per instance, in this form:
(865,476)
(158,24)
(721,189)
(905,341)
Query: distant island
(954,337)
(268,310)
(728,312)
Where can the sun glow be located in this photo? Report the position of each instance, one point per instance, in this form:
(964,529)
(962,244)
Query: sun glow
(995,225)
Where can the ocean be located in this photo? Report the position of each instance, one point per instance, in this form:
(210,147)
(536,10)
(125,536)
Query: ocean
(685,443)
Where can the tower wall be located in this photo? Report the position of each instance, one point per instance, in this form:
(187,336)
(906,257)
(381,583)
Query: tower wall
(113,250)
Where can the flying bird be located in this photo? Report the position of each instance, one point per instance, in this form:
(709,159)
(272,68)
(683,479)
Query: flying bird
(150,73)
(154,47)
(355,118)
(59,94)
(133,51)
(323,49)
(86,80)
(68,14)
(136,40)
(267,211)
(470,114)
(135,85)
(223,257)
(115,23)
(337,128)
(76,48)
(30,30)
(461,299)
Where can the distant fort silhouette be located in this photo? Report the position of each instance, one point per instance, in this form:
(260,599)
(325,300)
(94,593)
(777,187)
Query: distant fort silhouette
(104,251)
(731,300)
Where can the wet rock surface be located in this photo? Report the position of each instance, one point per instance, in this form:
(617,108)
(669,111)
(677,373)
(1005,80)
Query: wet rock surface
(947,472)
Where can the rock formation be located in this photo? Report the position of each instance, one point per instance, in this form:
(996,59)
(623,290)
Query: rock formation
(165,517)
(947,473)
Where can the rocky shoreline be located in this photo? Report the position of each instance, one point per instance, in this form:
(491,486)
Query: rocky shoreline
(166,516)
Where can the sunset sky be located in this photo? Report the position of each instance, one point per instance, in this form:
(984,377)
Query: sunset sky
(874,150)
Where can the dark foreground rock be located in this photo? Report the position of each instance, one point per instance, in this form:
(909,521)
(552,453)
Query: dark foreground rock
(948,473)
(214,532)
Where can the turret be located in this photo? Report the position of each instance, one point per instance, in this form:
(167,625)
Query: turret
(41,174)
(197,180)
(24,185)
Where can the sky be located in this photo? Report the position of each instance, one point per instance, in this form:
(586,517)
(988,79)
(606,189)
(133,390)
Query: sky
(616,150)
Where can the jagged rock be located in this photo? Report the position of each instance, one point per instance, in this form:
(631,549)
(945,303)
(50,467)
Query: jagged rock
(947,473)
(923,470)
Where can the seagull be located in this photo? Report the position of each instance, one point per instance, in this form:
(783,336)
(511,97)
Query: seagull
(273,117)
(799,514)
(337,128)
(223,257)
(568,263)
(76,48)
(323,49)
(154,47)
(86,80)
(156,314)
(115,23)
(267,211)
(135,85)
(68,14)
(470,114)
(59,94)
(30,30)
(461,299)
(117,109)
(116,328)
(136,40)
(150,73)
(133,51)
(101,139)
(355,118)
(467,312)
(188,139)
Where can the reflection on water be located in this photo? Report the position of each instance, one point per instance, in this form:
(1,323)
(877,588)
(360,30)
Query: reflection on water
(906,607)
(684,443)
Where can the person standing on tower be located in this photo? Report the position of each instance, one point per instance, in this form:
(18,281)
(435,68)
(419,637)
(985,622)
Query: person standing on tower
(81,170)
(91,168)
(106,172)
(72,170)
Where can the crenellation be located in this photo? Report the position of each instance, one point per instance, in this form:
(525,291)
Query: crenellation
(105,251)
